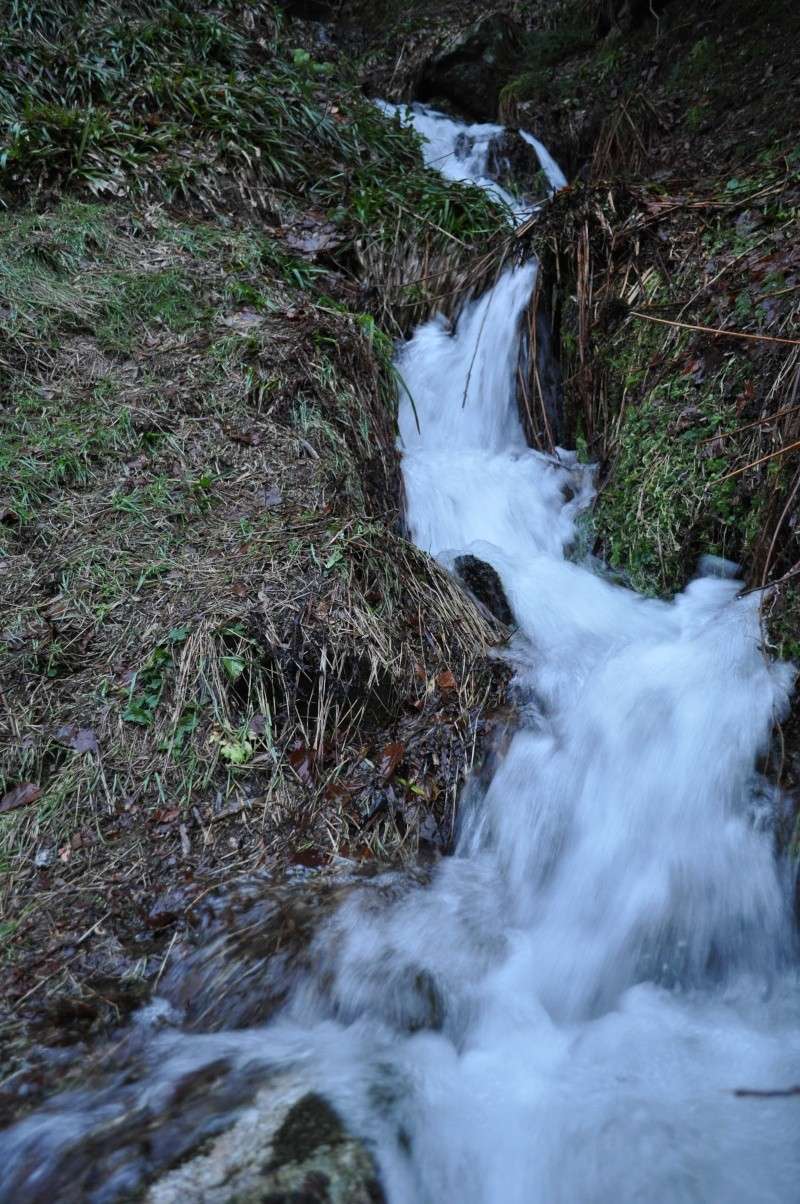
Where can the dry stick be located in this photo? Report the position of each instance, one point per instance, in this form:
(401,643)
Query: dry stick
(729,334)
(758,422)
(534,353)
(480,336)
(761,460)
(787,576)
(778,525)
(778,1093)
(165,960)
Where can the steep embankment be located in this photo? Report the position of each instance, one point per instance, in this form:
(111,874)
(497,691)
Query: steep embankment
(218,651)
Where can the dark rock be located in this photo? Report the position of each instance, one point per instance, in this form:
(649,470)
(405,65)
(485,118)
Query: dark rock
(513,163)
(471,70)
(549,386)
(484,582)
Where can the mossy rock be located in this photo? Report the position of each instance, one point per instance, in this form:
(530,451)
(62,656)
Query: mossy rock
(290,1147)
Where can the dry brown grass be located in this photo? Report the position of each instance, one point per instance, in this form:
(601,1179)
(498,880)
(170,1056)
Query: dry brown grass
(213,630)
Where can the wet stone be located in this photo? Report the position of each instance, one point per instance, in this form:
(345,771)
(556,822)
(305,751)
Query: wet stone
(484,582)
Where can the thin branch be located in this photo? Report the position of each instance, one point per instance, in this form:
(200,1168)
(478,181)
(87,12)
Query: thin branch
(749,426)
(761,460)
(730,334)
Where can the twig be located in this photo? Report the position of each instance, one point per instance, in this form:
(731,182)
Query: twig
(749,426)
(784,515)
(761,460)
(730,334)
(164,962)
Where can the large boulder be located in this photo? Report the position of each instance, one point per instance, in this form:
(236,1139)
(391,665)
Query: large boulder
(470,70)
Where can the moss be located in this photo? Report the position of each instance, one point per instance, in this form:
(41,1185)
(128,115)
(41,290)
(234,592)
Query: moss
(311,1123)
(667,500)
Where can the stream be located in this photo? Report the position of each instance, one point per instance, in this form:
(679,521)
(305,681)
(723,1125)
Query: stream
(594,999)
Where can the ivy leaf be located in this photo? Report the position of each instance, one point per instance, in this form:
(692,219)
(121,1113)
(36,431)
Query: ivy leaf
(139,710)
(234,666)
(237,752)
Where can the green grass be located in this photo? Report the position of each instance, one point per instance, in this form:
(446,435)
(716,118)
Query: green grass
(176,105)
(50,444)
(145,301)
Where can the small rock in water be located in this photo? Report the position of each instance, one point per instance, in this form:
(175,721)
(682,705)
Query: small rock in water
(484,582)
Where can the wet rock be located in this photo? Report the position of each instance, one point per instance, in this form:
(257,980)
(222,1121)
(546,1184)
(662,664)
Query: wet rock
(289,1147)
(513,163)
(471,70)
(568,133)
(255,939)
(484,582)
(549,383)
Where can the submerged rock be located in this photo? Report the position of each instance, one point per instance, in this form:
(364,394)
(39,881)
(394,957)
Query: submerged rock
(471,69)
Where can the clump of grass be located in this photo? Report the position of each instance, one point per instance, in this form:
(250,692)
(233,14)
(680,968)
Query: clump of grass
(544,51)
(133,301)
(214,111)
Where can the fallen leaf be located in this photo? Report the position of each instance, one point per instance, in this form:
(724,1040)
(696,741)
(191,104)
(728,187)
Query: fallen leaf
(311,858)
(20,796)
(258,725)
(446,682)
(391,757)
(81,739)
(244,319)
(251,438)
(301,759)
(165,815)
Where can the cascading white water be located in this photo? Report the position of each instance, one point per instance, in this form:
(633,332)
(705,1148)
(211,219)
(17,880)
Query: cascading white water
(565,1013)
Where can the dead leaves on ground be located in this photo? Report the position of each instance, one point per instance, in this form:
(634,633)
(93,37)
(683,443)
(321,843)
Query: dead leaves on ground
(20,796)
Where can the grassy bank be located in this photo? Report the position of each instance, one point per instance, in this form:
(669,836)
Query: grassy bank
(218,650)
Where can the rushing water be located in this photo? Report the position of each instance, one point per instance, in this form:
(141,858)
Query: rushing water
(585,1002)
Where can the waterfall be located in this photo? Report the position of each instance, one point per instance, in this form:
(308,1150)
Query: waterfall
(584,1002)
